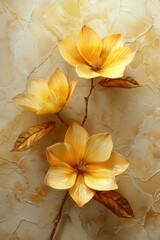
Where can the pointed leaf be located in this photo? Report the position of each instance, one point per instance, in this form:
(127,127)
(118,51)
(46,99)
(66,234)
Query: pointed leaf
(115,202)
(31,136)
(124,82)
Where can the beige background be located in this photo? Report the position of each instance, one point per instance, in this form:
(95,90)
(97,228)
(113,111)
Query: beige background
(29,30)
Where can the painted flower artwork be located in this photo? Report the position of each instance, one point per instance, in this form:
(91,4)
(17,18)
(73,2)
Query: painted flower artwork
(84,166)
(80,120)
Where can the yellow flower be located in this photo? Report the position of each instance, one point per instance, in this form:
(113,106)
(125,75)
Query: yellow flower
(45,97)
(94,57)
(83,164)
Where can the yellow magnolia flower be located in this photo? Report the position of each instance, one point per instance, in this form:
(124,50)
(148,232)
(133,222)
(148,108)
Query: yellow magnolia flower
(94,57)
(84,164)
(45,97)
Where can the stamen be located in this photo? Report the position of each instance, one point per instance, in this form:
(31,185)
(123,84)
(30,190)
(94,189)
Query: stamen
(96,65)
(81,167)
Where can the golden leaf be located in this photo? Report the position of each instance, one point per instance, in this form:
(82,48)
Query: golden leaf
(31,136)
(124,82)
(115,202)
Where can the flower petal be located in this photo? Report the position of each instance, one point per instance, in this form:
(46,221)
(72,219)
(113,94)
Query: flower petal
(99,178)
(58,85)
(110,44)
(77,136)
(89,44)
(71,89)
(60,152)
(116,63)
(70,52)
(98,148)
(80,193)
(85,71)
(52,107)
(39,88)
(60,176)
(116,163)
(122,55)
(27,101)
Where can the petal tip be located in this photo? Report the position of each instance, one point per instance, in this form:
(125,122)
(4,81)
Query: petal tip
(58,70)
(84,27)
(46,180)
(14,98)
(127,164)
(74,83)
(74,124)
(115,186)
(107,136)
(134,53)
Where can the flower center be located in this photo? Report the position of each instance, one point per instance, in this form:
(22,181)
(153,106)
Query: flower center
(81,167)
(96,65)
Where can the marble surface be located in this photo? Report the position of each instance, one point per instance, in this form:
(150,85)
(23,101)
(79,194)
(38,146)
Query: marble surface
(29,31)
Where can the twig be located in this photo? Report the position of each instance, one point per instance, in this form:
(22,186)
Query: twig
(62,120)
(58,218)
(86,102)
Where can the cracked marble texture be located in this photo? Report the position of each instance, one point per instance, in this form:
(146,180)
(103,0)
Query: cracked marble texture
(29,31)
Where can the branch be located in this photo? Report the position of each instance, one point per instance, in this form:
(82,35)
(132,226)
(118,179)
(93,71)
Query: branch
(59,216)
(86,102)
(61,119)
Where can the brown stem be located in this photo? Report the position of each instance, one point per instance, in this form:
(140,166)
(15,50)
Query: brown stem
(62,120)
(86,102)
(58,217)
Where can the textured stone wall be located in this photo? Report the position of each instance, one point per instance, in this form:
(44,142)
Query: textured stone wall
(28,50)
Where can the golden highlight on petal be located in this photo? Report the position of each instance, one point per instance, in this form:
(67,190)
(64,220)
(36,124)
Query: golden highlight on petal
(117,164)
(77,137)
(70,52)
(60,152)
(85,71)
(122,55)
(51,107)
(58,85)
(71,89)
(89,44)
(80,193)
(98,148)
(111,43)
(60,176)
(115,64)
(39,88)
(27,101)
(99,179)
